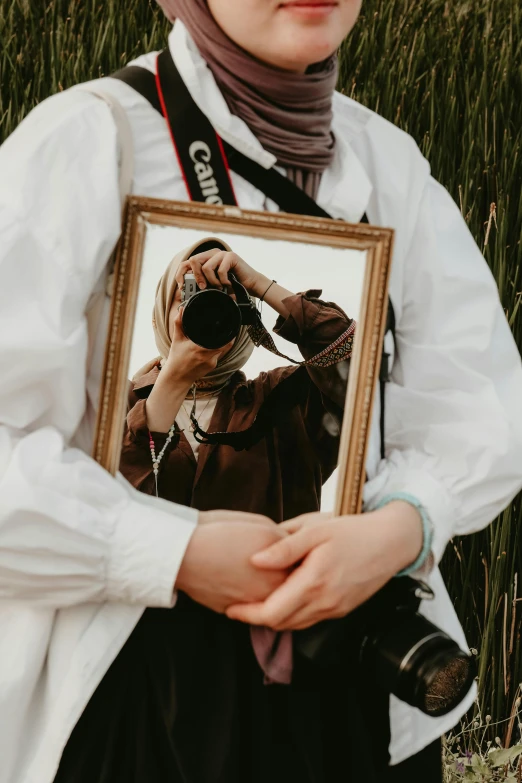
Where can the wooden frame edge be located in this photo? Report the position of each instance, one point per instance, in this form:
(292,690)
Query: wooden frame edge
(365,365)
(112,404)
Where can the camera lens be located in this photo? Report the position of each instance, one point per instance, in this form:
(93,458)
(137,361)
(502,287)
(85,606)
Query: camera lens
(447,681)
(211,318)
(419,663)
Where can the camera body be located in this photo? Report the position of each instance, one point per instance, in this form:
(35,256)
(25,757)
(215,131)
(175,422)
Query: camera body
(211,317)
(397,647)
(190,287)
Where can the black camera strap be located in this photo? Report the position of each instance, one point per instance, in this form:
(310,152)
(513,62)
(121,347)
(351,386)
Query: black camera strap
(284,396)
(205,160)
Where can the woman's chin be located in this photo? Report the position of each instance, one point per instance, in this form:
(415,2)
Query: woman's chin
(301,52)
(308,35)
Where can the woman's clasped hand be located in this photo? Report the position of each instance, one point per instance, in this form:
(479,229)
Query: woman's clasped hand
(217,570)
(309,569)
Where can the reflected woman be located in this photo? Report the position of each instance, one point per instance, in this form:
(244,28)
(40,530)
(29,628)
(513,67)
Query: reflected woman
(294,448)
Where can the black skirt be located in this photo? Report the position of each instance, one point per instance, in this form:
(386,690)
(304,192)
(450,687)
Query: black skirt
(184,702)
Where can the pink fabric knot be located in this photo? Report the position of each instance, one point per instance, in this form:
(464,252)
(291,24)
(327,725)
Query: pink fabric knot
(273,651)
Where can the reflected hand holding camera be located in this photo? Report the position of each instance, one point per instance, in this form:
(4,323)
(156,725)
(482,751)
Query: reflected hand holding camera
(215,287)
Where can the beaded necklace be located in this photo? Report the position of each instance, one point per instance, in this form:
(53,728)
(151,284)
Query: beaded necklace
(156,460)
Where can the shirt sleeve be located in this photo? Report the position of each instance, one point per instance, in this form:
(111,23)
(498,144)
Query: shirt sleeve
(311,324)
(453,412)
(69,532)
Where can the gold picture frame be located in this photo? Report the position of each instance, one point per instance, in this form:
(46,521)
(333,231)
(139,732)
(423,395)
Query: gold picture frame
(365,363)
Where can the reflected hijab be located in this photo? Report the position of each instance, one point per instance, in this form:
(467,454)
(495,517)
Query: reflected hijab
(289,113)
(240,352)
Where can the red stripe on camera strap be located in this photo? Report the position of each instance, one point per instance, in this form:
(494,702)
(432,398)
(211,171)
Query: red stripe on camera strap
(196,144)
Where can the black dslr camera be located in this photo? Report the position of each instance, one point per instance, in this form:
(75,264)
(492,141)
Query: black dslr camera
(211,318)
(397,647)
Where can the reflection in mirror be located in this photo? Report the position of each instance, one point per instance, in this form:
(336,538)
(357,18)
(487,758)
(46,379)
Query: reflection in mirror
(295,451)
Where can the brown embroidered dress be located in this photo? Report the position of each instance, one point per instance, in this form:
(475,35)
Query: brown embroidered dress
(184,701)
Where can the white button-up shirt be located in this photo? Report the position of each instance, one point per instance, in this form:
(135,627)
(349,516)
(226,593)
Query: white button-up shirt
(81,552)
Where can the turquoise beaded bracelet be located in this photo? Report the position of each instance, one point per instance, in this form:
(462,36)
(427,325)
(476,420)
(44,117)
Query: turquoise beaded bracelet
(427,529)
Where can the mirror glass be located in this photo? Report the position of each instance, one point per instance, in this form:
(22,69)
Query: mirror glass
(297,266)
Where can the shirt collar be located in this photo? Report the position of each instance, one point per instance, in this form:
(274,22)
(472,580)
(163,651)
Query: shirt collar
(345,187)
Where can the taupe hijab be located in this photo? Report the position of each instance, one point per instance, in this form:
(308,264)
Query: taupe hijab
(289,113)
(240,352)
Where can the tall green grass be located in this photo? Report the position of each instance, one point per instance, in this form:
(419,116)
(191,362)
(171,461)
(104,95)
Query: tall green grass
(449,73)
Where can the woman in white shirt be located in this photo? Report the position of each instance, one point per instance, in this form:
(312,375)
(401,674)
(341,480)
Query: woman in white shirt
(81,553)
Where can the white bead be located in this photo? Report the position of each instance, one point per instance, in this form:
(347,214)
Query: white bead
(156,460)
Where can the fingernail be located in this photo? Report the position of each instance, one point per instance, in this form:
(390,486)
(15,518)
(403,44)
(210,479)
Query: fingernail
(262,557)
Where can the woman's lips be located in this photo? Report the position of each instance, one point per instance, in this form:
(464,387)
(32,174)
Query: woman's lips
(310,9)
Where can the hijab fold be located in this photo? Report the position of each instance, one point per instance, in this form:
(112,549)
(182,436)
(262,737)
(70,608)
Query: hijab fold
(289,113)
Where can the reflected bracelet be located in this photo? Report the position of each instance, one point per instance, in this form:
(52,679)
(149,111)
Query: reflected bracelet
(267,290)
(427,529)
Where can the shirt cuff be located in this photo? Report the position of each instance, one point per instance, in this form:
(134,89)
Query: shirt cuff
(137,421)
(430,494)
(148,546)
(424,559)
